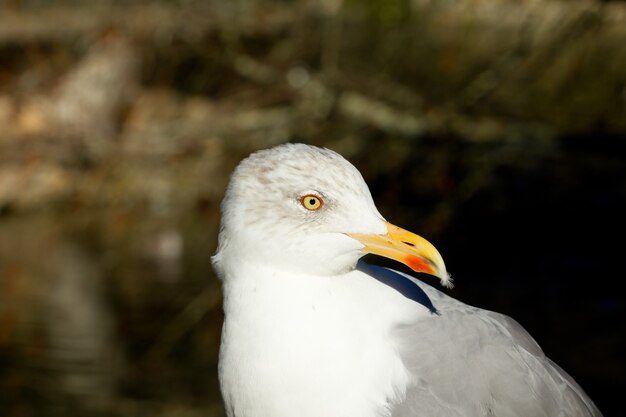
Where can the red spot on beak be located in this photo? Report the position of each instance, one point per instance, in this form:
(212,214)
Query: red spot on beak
(419,264)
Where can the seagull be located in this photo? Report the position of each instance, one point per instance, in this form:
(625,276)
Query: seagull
(310,330)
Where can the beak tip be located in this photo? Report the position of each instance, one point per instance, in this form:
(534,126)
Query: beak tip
(446,279)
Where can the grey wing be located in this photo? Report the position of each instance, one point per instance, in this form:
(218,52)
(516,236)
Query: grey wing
(471,362)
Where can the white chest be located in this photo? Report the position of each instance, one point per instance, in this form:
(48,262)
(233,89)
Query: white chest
(308,348)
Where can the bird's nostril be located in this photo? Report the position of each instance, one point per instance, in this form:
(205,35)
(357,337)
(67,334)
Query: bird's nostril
(408,243)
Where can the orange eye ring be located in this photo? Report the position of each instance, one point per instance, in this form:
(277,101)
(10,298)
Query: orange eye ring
(312,202)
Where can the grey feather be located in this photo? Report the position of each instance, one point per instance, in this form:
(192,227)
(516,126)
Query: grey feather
(471,362)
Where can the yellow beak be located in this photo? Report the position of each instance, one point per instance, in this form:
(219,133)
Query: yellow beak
(406,247)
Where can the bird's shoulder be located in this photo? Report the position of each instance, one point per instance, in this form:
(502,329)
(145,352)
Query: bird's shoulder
(467,361)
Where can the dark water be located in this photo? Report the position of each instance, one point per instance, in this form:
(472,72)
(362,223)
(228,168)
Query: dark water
(107,313)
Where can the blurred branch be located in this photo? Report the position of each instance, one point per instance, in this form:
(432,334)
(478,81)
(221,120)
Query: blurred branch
(557,63)
(144,20)
(562,63)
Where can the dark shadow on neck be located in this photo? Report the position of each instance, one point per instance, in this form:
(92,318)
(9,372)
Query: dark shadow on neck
(398,282)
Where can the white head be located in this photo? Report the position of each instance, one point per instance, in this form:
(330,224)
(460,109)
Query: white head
(307,209)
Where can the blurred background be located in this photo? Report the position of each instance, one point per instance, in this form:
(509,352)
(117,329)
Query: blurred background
(495,128)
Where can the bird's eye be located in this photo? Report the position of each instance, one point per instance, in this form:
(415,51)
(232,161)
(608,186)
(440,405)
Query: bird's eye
(311,202)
